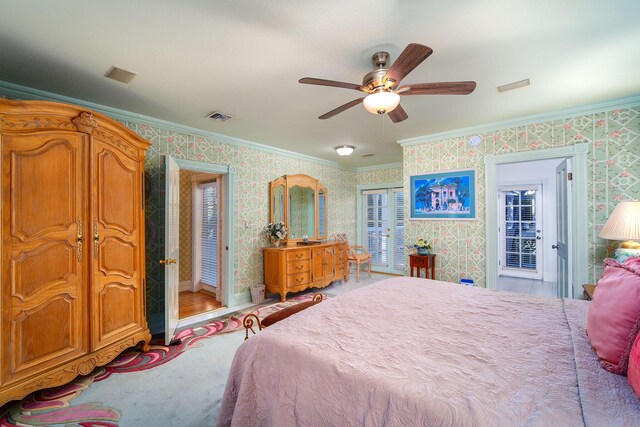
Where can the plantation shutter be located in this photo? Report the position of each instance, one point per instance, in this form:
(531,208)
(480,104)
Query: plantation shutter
(209,233)
(376,224)
(398,250)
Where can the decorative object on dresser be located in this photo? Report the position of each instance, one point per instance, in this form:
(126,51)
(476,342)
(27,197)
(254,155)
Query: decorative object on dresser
(428,262)
(73,254)
(356,255)
(251,319)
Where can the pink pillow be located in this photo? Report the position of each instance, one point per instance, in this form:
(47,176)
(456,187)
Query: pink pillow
(633,373)
(614,314)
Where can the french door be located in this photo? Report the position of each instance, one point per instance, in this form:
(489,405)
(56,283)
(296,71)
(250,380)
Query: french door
(382,231)
(521,231)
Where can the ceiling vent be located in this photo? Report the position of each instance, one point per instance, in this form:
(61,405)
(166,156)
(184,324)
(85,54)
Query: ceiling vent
(218,117)
(120,75)
(514,85)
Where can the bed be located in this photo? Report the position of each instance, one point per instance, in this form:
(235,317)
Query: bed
(416,352)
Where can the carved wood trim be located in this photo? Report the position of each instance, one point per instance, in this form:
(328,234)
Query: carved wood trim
(85,122)
(81,366)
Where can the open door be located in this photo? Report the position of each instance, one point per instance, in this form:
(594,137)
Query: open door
(171,254)
(563,203)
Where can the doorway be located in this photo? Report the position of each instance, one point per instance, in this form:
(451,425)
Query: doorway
(511,166)
(382,227)
(216,183)
(200,243)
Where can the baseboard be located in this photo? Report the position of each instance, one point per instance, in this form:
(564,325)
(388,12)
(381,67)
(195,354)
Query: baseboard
(187,285)
(242,298)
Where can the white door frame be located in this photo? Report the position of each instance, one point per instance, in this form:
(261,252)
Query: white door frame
(361,225)
(228,251)
(579,234)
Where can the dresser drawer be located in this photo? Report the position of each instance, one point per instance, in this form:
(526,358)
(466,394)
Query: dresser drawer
(341,259)
(340,249)
(298,279)
(298,266)
(298,254)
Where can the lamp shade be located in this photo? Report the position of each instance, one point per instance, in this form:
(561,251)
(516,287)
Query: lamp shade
(381,102)
(624,222)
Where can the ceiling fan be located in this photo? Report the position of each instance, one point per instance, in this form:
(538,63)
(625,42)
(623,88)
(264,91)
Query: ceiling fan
(382,88)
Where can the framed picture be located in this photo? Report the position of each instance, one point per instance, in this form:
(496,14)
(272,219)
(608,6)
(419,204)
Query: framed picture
(443,195)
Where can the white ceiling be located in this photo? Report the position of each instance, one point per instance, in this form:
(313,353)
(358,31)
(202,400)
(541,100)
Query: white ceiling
(245,57)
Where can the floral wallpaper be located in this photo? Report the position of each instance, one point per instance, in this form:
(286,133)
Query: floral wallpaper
(186,231)
(382,175)
(614,167)
(254,169)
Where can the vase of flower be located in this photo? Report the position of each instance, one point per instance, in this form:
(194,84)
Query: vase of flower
(276,232)
(422,247)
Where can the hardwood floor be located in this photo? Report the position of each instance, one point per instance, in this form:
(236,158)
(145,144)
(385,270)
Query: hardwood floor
(192,303)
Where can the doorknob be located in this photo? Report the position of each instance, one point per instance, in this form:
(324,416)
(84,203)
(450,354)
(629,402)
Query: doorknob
(554,246)
(168,261)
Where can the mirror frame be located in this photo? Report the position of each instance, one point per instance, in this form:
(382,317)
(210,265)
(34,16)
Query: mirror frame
(300,180)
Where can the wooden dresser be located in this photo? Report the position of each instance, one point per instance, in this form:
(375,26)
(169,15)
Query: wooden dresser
(72,295)
(296,268)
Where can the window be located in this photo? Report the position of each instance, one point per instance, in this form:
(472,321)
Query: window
(209,232)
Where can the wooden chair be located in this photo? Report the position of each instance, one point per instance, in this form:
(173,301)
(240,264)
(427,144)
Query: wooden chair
(356,255)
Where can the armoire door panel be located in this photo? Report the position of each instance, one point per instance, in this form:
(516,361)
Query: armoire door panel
(46,174)
(42,275)
(49,265)
(54,322)
(118,184)
(118,302)
(118,256)
(117,284)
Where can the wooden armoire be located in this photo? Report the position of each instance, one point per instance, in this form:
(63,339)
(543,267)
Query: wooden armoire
(72,295)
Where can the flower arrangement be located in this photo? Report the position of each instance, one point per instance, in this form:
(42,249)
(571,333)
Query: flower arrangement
(422,246)
(276,230)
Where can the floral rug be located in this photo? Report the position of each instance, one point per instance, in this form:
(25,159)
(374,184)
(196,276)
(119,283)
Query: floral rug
(54,406)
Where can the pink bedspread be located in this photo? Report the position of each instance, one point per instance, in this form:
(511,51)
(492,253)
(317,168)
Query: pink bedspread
(412,352)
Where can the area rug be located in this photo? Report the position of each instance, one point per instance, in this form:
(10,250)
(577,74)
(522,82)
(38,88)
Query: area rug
(56,406)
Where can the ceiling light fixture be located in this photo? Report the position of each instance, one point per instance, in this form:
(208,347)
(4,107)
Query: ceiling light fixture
(344,150)
(381,102)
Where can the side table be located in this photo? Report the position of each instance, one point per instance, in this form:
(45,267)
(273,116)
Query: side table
(589,290)
(428,262)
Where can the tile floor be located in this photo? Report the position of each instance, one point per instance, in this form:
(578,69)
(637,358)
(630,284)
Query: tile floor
(527,286)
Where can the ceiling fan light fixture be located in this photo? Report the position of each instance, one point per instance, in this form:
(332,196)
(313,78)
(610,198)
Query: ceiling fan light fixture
(381,102)
(344,150)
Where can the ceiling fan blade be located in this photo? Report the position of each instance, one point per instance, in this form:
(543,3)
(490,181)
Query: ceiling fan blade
(410,58)
(341,108)
(323,82)
(398,114)
(443,88)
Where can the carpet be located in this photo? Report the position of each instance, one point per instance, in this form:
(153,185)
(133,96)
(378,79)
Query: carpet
(161,387)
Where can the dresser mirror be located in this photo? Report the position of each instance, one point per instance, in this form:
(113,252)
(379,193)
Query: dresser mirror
(277,203)
(300,201)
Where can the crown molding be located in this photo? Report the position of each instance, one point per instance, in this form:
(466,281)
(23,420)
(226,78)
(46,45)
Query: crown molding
(630,101)
(14,91)
(378,167)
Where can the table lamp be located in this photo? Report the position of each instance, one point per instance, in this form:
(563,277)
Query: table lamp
(624,225)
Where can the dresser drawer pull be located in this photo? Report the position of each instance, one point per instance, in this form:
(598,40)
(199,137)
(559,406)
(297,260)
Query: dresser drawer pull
(300,266)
